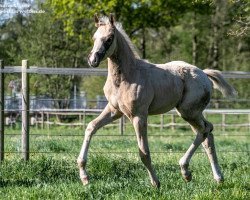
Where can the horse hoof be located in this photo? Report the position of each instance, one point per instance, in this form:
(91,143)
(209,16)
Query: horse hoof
(219,180)
(85,180)
(156,184)
(187,177)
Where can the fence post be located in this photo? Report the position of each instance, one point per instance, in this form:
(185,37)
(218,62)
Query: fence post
(223,123)
(1,112)
(25,110)
(249,122)
(48,120)
(121,125)
(42,118)
(173,122)
(162,122)
(84,119)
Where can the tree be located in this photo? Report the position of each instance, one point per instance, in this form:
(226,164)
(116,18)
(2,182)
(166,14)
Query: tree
(45,43)
(41,39)
(136,15)
(200,32)
(241,25)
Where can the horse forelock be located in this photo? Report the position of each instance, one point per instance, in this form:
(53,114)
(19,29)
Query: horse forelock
(103,21)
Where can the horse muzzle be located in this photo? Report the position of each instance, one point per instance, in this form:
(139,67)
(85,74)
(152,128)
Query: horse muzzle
(94,59)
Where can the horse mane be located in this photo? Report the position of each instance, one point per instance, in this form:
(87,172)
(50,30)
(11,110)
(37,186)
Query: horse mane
(105,20)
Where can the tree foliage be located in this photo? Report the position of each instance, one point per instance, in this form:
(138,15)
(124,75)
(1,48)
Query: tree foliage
(207,33)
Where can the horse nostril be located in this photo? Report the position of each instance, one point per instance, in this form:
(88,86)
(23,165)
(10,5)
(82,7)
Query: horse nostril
(95,60)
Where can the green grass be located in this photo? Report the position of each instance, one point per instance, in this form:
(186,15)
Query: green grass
(115,169)
(119,177)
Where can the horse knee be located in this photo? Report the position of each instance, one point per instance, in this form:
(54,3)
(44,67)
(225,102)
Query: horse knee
(209,127)
(205,128)
(207,131)
(91,128)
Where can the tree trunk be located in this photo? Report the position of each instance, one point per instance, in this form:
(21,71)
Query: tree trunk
(143,43)
(194,54)
(217,32)
(215,63)
(194,42)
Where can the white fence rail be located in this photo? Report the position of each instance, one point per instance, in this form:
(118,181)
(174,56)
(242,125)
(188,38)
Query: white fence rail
(93,71)
(43,118)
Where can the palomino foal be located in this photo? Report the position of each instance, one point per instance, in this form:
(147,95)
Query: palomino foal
(136,89)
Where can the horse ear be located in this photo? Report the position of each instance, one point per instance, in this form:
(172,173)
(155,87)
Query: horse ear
(111,19)
(96,20)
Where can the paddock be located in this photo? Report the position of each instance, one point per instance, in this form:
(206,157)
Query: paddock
(41,118)
(115,165)
(51,148)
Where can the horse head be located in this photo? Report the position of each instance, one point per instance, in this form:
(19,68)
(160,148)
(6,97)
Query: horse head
(104,40)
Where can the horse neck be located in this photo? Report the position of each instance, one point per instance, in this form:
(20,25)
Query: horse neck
(123,60)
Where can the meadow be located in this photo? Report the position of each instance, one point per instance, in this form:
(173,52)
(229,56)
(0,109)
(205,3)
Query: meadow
(115,169)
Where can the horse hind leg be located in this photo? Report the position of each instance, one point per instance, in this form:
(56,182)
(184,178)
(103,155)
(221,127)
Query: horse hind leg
(203,130)
(200,127)
(209,147)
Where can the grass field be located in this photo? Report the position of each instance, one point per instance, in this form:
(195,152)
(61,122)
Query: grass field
(115,169)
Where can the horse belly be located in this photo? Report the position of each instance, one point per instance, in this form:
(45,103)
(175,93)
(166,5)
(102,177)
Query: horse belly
(166,97)
(162,107)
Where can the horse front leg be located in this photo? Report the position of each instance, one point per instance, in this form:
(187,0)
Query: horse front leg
(140,126)
(106,117)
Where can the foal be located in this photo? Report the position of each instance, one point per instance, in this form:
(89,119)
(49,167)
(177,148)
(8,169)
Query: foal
(136,89)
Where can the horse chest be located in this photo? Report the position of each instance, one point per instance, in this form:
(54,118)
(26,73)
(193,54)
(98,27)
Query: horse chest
(126,98)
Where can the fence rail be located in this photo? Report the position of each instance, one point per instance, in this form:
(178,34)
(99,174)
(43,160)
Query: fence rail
(93,71)
(122,123)
(58,71)
(25,70)
(42,117)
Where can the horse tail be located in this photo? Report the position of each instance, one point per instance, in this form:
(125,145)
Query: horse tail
(220,83)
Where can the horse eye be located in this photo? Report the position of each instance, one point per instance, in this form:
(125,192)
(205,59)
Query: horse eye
(109,40)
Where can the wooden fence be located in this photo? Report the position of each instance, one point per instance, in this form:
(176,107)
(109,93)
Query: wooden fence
(45,118)
(42,118)
(25,70)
